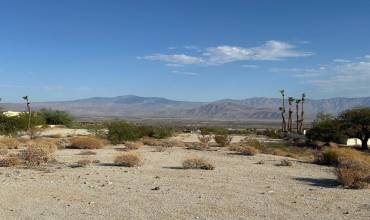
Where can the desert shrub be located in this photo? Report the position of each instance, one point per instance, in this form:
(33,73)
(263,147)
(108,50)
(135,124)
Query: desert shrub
(334,156)
(10,143)
(120,131)
(132,146)
(84,163)
(160,148)
(327,129)
(243,150)
(286,163)
(197,163)
(87,142)
(128,160)
(56,117)
(3,151)
(223,139)
(36,120)
(10,161)
(195,146)
(204,140)
(162,132)
(355,175)
(253,142)
(150,141)
(38,153)
(9,125)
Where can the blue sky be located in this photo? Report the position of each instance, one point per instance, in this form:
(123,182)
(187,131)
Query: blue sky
(185,50)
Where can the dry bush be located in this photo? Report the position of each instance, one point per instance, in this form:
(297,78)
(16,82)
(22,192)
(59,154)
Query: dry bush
(84,163)
(87,152)
(243,150)
(55,136)
(352,166)
(128,160)
(355,175)
(204,140)
(10,143)
(197,163)
(334,156)
(223,140)
(62,143)
(10,161)
(86,142)
(131,146)
(253,142)
(150,141)
(38,153)
(286,163)
(195,146)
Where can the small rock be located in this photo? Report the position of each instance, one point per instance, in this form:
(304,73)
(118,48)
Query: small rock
(346,212)
(156,188)
(157,177)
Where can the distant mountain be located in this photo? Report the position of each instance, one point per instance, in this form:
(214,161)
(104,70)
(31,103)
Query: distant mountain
(131,106)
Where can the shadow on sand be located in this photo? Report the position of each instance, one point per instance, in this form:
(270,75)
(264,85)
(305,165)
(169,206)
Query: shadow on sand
(322,182)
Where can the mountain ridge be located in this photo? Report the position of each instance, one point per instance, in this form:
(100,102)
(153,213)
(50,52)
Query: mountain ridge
(132,106)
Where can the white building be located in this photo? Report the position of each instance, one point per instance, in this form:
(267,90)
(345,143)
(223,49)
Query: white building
(355,142)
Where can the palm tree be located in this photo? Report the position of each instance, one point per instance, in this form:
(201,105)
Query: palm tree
(290,119)
(282,110)
(29,112)
(297,101)
(302,113)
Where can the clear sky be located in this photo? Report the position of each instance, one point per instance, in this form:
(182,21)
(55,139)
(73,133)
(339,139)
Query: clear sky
(183,49)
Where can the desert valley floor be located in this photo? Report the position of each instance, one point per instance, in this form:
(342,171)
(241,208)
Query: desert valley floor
(238,188)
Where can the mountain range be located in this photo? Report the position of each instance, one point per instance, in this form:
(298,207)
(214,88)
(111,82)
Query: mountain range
(136,107)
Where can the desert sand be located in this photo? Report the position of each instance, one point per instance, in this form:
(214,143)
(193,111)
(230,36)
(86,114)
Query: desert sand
(239,188)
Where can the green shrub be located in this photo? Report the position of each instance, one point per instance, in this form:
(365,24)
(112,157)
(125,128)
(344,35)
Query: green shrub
(223,140)
(8,125)
(120,131)
(56,117)
(161,132)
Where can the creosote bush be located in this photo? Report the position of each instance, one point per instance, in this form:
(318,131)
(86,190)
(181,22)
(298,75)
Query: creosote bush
(204,140)
(352,166)
(198,163)
(10,161)
(132,146)
(38,153)
(128,160)
(223,140)
(84,163)
(120,131)
(86,142)
(243,150)
(253,142)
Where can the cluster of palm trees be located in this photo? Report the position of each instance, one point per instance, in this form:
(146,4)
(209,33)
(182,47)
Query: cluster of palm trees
(287,125)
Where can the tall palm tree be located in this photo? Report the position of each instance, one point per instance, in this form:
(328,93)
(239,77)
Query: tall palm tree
(297,101)
(282,110)
(302,113)
(290,118)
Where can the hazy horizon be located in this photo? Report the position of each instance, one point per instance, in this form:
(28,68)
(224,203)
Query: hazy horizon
(183,50)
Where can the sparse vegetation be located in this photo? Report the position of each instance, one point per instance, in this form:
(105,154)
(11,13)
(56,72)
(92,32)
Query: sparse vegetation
(38,153)
(84,163)
(9,143)
(10,161)
(87,153)
(223,140)
(204,140)
(243,150)
(56,117)
(120,131)
(286,163)
(128,160)
(198,163)
(86,142)
(131,146)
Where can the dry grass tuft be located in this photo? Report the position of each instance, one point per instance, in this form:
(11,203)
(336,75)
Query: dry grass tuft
(87,142)
(3,151)
(253,142)
(38,152)
(84,163)
(87,153)
(204,140)
(243,150)
(132,146)
(286,163)
(195,146)
(128,160)
(10,143)
(10,161)
(198,163)
(150,141)
(352,166)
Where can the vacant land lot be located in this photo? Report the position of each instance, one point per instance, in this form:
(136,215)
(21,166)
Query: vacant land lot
(240,187)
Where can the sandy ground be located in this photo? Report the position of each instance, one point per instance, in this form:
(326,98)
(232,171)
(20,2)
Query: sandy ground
(238,188)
